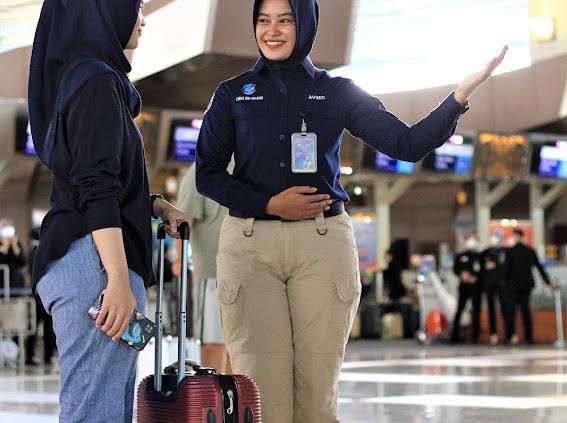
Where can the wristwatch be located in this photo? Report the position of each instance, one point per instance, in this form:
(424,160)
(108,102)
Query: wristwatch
(153,198)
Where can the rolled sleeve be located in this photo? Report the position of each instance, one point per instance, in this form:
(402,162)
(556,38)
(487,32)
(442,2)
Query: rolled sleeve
(95,133)
(368,119)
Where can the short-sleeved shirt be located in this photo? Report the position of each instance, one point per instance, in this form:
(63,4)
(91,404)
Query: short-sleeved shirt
(208,217)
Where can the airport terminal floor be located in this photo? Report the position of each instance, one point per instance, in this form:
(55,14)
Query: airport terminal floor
(386,382)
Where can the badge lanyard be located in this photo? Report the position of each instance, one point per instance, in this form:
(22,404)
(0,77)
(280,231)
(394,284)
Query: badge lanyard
(304,149)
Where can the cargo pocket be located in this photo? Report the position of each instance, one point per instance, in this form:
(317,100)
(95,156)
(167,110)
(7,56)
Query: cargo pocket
(347,290)
(231,304)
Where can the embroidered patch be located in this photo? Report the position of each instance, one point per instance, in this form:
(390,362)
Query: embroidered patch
(249,89)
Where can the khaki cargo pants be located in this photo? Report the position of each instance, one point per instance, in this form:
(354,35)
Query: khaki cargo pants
(288,293)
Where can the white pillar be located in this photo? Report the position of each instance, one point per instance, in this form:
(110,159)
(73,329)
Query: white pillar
(482,212)
(539,201)
(485,199)
(383,230)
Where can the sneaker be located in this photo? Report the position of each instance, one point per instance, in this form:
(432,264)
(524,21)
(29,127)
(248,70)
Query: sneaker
(515,339)
(494,339)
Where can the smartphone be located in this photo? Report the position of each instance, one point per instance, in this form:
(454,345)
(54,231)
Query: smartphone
(140,329)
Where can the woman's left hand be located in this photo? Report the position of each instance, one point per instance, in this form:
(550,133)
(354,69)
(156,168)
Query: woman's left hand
(172,217)
(472,82)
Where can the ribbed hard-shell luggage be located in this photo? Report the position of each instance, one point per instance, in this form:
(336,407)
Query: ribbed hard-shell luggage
(195,394)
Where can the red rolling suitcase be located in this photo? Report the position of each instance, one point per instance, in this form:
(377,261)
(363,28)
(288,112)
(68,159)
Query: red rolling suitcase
(195,394)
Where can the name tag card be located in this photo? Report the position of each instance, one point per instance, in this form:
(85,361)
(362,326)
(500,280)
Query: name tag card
(304,153)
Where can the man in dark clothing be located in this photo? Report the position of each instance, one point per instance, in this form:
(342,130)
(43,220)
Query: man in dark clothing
(468,267)
(520,259)
(493,261)
(49,345)
(393,278)
(12,255)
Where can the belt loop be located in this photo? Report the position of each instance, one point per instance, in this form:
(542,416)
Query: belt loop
(321,225)
(248,227)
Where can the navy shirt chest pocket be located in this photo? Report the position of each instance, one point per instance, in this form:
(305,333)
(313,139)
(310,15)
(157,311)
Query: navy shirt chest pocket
(251,124)
(320,110)
(249,109)
(322,118)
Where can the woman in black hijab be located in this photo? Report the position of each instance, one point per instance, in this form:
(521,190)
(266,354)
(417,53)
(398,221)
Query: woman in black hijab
(97,235)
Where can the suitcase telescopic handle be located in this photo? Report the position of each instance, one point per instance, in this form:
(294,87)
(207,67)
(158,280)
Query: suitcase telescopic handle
(184,231)
(182,319)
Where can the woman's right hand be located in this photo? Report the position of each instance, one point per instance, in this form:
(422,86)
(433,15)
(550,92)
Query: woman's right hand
(298,203)
(118,306)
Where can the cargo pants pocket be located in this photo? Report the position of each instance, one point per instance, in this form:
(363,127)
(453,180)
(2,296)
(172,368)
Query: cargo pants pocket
(231,304)
(347,290)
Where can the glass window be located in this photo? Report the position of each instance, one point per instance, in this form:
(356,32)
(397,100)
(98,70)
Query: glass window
(402,45)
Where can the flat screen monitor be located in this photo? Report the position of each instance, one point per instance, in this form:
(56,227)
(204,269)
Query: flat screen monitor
(549,159)
(24,141)
(501,157)
(381,162)
(454,157)
(183,138)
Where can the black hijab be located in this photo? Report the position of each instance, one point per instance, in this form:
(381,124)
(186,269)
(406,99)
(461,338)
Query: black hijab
(306,14)
(74,41)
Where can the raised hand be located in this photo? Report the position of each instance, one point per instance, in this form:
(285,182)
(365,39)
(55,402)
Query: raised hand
(467,86)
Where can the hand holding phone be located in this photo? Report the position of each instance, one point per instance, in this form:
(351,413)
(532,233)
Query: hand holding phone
(140,329)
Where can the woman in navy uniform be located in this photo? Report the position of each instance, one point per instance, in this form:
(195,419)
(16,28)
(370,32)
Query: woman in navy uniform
(288,280)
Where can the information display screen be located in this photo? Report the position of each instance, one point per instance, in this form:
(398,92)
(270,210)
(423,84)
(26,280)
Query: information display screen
(384,163)
(549,159)
(453,157)
(184,134)
(501,156)
(373,160)
(24,141)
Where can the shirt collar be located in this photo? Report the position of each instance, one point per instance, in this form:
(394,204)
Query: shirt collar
(306,63)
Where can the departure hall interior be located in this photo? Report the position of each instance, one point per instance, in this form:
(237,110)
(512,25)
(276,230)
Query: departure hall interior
(503,173)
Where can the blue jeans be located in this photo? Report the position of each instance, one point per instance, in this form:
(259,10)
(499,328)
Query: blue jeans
(97,374)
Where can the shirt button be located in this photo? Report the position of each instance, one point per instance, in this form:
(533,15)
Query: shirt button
(282,164)
(282,137)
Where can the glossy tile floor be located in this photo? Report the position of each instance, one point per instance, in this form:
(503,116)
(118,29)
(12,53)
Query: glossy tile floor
(389,382)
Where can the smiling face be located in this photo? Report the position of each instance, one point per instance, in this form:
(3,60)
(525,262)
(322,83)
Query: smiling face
(137,31)
(275,30)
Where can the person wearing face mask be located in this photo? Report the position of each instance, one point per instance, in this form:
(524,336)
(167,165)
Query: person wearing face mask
(12,255)
(97,234)
(493,261)
(520,260)
(468,267)
(287,266)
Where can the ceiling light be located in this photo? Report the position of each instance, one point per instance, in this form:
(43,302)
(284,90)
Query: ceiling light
(542,28)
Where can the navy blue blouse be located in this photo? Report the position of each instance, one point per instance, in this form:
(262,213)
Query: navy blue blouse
(254,115)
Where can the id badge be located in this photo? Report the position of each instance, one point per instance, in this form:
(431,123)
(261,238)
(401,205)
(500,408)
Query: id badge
(304,153)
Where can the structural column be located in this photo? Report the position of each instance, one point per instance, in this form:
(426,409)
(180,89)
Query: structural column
(386,193)
(539,201)
(485,200)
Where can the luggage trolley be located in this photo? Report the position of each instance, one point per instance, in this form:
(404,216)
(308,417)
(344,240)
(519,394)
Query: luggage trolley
(17,317)
(560,343)
(434,301)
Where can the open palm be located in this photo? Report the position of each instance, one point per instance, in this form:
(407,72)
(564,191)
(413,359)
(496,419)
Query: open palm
(467,86)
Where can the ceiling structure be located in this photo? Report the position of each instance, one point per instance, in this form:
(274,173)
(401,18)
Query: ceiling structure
(18,19)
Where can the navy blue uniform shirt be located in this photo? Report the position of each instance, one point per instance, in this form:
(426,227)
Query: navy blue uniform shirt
(254,115)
